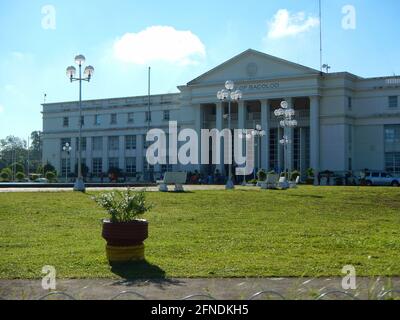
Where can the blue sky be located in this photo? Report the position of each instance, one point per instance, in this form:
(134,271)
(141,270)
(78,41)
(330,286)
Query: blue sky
(179,39)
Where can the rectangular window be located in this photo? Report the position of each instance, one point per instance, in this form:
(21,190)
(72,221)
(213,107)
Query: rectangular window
(130,142)
(113,163)
(65,167)
(113,118)
(392,161)
(392,149)
(97,166)
(393,102)
(349,103)
(167,115)
(148,167)
(148,116)
(113,143)
(97,144)
(97,120)
(166,168)
(273,150)
(84,143)
(65,122)
(131,118)
(130,165)
(63,143)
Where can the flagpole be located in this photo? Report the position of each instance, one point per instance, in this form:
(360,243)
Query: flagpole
(148,115)
(320,35)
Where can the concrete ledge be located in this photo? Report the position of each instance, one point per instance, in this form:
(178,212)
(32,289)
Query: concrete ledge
(71,185)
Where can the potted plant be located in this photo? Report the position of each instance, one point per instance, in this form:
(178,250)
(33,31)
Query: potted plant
(310,176)
(124,231)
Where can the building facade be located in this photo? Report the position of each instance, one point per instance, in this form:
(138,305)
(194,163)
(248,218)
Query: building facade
(345,122)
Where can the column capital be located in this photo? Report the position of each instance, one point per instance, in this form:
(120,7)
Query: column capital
(316,98)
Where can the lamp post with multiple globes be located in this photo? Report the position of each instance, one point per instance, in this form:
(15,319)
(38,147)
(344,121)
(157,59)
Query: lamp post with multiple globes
(287,123)
(230,95)
(71,72)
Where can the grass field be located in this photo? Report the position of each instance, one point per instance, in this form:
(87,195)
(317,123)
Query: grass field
(244,233)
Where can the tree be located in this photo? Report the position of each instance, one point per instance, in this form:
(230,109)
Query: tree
(49,168)
(17,167)
(13,149)
(35,151)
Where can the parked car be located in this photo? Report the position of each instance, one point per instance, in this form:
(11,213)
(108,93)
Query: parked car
(41,180)
(376,178)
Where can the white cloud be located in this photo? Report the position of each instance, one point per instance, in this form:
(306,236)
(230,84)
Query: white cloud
(159,44)
(285,24)
(1,108)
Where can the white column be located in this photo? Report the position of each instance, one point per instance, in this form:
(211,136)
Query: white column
(121,153)
(265,124)
(73,154)
(220,127)
(139,155)
(89,150)
(242,115)
(315,135)
(105,154)
(242,118)
(302,151)
(199,116)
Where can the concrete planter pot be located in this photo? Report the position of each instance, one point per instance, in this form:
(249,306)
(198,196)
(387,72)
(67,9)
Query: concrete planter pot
(125,240)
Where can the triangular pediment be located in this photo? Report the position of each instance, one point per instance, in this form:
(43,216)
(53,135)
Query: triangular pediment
(253,64)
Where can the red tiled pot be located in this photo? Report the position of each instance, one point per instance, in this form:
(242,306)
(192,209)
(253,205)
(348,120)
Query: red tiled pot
(124,234)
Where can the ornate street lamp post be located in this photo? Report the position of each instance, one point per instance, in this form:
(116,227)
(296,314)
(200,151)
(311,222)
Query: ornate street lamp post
(287,123)
(67,149)
(258,133)
(228,94)
(71,72)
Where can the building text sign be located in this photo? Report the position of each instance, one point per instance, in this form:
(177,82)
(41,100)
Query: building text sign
(259,86)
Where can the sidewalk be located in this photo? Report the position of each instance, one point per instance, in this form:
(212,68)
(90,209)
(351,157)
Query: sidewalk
(176,289)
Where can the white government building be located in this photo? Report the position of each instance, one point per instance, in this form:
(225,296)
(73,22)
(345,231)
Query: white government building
(345,122)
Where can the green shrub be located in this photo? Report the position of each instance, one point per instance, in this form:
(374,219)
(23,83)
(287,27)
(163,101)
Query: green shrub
(294,175)
(124,206)
(254,181)
(262,175)
(310,172)
(18,167)
(51,176)
(20,176)
(6,174)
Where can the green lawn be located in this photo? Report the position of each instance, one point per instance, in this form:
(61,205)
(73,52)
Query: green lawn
(244,233)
